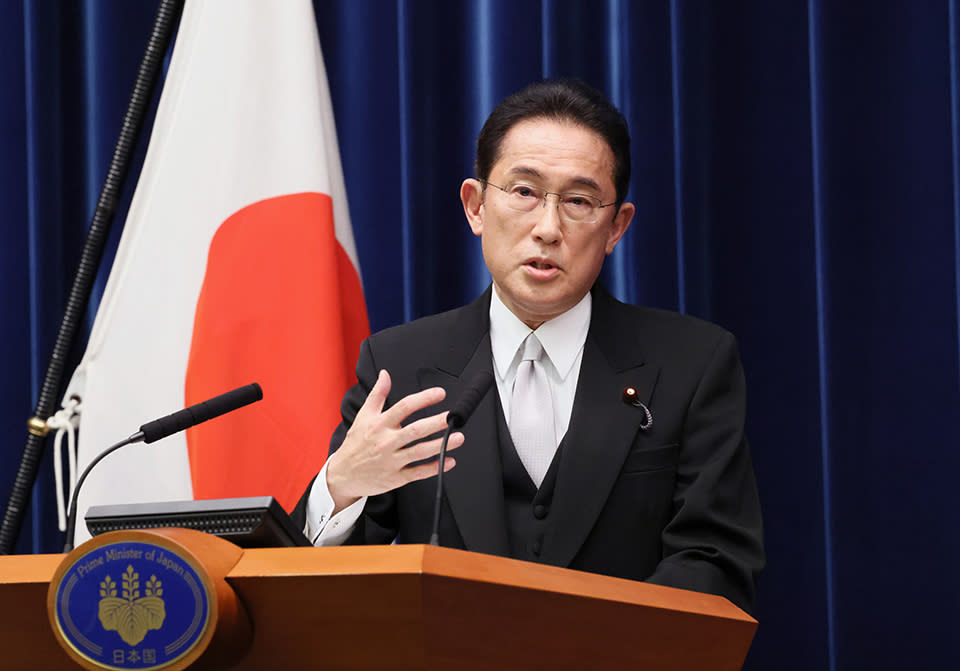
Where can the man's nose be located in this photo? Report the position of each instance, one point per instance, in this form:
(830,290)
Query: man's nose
(548,219)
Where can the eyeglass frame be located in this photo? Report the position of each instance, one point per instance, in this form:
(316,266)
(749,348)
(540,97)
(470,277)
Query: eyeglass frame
(543,199)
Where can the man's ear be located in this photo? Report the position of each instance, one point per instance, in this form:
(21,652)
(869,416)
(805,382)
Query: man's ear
(471,195)
(619,225)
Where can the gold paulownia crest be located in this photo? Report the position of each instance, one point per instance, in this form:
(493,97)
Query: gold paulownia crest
(132,616)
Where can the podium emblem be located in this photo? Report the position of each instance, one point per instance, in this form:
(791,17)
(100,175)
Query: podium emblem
(133,615)
(130,605)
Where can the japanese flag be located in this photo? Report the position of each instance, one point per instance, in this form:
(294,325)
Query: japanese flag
(236,265)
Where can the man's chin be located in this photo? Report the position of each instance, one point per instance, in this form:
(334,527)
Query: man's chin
(540,311)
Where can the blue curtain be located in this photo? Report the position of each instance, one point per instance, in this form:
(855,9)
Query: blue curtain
(797,180)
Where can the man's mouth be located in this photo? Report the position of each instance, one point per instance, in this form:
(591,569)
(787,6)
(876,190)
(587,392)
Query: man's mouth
(541,265)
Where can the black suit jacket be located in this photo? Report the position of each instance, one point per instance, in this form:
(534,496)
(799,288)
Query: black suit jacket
(675,504)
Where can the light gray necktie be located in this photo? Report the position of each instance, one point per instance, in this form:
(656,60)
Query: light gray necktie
(531,413)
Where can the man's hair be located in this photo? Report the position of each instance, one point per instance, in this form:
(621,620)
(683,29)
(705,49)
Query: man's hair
(567,100)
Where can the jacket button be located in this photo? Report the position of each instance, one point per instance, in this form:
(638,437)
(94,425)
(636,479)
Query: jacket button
(539,511)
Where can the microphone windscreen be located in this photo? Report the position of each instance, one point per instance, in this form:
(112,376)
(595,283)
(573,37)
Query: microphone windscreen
(470,399)
(201,412)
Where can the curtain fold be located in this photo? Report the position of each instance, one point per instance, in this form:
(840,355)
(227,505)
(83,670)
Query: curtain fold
(818,171)
(796,172)
(954,18)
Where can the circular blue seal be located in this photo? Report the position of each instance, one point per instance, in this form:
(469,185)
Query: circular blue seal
(132,605)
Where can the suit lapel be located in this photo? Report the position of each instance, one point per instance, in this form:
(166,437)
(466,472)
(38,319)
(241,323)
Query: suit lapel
(601,432)
(474,489)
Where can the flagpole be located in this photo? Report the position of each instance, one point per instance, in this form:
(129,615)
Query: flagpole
(148,75)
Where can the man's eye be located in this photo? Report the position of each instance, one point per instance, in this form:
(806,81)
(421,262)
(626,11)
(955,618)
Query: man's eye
(578,201)
(523,191)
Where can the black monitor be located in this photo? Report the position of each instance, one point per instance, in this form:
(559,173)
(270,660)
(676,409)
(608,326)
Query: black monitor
(250,522)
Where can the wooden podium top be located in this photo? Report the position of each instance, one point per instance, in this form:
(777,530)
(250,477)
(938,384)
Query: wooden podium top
(459,564)
(417,606)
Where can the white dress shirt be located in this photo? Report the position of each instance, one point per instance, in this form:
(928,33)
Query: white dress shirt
(562,338)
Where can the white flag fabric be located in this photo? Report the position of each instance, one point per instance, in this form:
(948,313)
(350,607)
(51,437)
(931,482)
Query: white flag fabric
(236,265)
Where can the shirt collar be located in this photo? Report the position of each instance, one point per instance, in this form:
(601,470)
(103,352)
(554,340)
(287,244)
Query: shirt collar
(562,337)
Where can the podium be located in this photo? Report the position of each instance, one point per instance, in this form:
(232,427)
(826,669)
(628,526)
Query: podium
(411,607)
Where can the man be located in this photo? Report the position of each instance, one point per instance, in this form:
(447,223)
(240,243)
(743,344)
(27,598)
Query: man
(613,442)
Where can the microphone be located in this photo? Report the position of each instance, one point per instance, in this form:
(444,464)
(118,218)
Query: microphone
(163,427)
(470,399)
(456,418)
(200,412)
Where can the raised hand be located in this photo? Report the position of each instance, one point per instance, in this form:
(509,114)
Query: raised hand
(374,457)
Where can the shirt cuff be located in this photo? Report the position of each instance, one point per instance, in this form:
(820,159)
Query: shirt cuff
(323,527)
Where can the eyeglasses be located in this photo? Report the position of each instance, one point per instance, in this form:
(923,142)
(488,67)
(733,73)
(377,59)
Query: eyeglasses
(575,208)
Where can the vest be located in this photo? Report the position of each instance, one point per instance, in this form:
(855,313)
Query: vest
(527,509)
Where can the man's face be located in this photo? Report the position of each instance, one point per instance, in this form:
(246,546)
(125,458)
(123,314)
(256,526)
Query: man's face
(541,264)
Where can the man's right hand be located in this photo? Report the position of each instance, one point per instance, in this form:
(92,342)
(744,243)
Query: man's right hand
(374,457)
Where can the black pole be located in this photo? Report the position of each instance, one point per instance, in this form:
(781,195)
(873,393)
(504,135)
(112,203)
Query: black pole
(147,76)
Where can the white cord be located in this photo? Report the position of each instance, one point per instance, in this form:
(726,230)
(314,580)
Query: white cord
(65,421)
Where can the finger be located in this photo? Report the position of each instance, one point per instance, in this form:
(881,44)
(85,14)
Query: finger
(429,449)
(425,471)
(378,395)
(410,404)
(420,429)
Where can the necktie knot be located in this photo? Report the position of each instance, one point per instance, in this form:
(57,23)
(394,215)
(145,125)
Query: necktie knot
(532,349)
